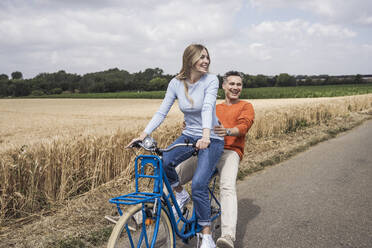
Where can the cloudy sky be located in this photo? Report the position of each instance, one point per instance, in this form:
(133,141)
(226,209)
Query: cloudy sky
(253,36)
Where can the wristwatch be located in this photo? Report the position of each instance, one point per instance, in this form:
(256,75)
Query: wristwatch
(228,132)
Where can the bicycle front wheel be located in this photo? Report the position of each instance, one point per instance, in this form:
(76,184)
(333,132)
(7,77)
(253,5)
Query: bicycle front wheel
(136,228)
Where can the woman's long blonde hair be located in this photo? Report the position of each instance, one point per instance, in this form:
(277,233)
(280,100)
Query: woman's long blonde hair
(191,55)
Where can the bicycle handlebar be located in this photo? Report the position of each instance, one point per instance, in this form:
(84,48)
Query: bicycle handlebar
(177,145)
(149,144)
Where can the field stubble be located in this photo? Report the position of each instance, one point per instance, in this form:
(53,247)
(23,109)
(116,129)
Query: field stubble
(54,168)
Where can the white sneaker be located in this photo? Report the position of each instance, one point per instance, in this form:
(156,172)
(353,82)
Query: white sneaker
(182,199)
(207,241)
(225,242)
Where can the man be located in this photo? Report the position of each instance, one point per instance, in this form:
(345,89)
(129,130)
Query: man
(236,117)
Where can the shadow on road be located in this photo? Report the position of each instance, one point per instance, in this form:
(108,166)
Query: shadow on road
(247,211)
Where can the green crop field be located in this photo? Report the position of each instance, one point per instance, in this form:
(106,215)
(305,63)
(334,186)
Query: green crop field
(306,91)
(248,93)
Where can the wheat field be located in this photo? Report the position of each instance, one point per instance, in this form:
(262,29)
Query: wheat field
(55,149)
(29,121)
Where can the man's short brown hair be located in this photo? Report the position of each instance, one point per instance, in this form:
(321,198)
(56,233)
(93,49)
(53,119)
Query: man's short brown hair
(232,73)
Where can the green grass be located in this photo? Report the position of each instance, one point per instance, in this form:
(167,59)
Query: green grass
(247,93)
(306,91)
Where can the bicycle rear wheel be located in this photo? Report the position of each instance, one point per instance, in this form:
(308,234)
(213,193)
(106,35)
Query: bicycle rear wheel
(130,231)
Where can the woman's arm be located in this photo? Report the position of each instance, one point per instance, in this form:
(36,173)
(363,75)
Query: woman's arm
(159,116)
(209,104)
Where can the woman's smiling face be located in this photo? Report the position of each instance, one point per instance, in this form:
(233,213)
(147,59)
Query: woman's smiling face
(202,65)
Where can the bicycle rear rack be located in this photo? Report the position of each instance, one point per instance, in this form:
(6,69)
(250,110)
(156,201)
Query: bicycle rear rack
(143,162)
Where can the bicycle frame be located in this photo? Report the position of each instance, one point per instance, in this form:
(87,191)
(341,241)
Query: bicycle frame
(159,198)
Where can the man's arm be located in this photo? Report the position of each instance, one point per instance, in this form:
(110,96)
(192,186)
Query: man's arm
(222,131)
(244,123)
(245,119)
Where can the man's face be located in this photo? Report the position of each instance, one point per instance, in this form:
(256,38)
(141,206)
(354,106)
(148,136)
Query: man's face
(233,87)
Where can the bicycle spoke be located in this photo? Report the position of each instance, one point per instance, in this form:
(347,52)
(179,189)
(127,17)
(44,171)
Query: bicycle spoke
(143,234)
(129,235)
(140,231)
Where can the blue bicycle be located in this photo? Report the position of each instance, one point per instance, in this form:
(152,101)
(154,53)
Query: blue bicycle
(151,221)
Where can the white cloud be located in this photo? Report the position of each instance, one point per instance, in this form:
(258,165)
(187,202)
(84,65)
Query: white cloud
(366,20)
(126,34)
(330,31)
(322,7)
(297,31)
(46,35)
(345,11)
(259,51)
(295,46)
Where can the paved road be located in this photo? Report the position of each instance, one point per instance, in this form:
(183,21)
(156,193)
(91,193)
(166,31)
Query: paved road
(319,198)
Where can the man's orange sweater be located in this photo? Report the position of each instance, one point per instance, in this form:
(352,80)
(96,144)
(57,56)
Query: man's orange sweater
(240,115)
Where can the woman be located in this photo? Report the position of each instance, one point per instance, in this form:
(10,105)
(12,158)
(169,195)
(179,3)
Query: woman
(196,91)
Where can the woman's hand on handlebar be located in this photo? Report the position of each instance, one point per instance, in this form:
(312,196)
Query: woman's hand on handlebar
(139,138)
(205,140)
(202,143)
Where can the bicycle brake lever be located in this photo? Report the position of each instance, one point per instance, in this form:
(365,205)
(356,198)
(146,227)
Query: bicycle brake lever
(136,144)
(187,141)
(196,150)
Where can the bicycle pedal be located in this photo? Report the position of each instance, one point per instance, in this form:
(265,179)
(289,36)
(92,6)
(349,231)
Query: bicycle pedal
(215,210)
(186,212)
(187,228)
(186,241)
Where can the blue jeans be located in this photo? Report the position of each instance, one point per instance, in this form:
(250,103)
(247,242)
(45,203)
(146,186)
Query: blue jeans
(207,161)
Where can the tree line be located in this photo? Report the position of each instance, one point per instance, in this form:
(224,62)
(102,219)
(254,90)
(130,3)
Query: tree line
(151,79)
